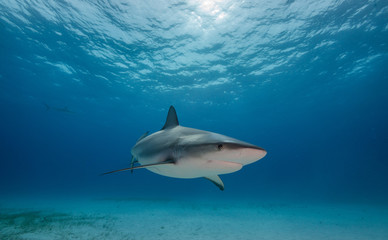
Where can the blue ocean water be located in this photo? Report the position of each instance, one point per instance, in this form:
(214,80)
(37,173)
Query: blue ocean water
(81,81)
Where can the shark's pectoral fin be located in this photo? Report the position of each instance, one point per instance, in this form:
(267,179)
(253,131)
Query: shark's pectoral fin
(217,181)
(142,166)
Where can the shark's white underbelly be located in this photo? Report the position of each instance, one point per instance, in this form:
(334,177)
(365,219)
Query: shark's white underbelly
(194,168)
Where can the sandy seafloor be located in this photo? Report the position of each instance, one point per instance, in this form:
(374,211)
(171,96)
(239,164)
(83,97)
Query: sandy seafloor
(150,218)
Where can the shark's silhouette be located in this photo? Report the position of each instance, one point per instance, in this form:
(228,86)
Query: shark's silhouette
(58,109)
(182,152)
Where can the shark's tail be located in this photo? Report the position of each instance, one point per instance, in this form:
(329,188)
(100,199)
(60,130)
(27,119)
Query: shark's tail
(47,106)
(141,166)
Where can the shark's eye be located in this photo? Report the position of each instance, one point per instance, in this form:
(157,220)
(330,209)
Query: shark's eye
(220,146)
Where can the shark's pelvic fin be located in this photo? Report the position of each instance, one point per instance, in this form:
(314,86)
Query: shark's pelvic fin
(133,161)
(217,181)
(172,119)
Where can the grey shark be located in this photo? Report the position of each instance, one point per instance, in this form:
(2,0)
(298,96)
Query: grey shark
(58,109)
(182,152)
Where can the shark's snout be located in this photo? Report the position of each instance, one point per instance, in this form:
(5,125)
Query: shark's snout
(242,153)
(251,155)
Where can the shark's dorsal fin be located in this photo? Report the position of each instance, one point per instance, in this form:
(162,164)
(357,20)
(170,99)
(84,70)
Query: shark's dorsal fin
(217,181)
(172,119)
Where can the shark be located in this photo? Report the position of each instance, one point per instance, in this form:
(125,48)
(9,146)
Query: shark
(182,152)
(58,109)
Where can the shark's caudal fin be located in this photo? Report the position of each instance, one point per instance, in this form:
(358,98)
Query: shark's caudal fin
(133,160)
(142,166)
(217,181)
(47,106)
(172,119)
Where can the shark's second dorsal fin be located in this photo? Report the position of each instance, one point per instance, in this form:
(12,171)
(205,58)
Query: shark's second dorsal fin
(172,119)
(142,136)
